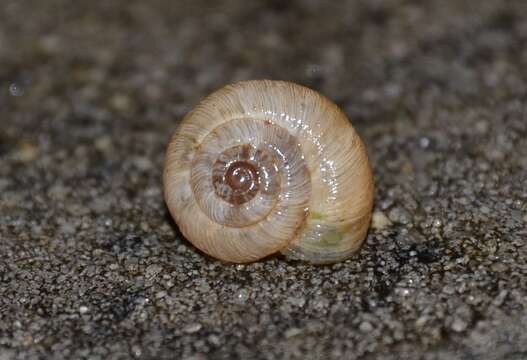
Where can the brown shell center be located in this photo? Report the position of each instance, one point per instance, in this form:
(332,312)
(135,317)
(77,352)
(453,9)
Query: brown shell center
(242,176)
(236,181)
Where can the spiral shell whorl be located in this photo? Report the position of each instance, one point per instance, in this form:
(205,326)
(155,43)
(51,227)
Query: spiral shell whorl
(266,153)
(265,166)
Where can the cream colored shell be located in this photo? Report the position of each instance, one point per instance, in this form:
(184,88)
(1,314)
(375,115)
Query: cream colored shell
(302,184)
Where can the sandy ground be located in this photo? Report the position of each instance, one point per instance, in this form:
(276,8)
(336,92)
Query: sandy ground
(93,267)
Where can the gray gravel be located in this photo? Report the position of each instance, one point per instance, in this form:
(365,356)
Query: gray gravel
(92,266)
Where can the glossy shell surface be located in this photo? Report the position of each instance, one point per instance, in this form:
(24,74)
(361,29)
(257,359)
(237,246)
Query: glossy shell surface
(262,166)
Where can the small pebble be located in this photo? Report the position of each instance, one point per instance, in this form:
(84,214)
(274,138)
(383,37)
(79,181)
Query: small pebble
(121,102)
(215,340)
(424,142)
(380,221)
(459,325)
(241,296)
(192,328)
(153,270)
(26,151)
(400,215)
(499,267)
(365,327)
(16,89)
(291,332)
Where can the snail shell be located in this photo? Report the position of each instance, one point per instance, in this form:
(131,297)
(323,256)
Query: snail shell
(265,166)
